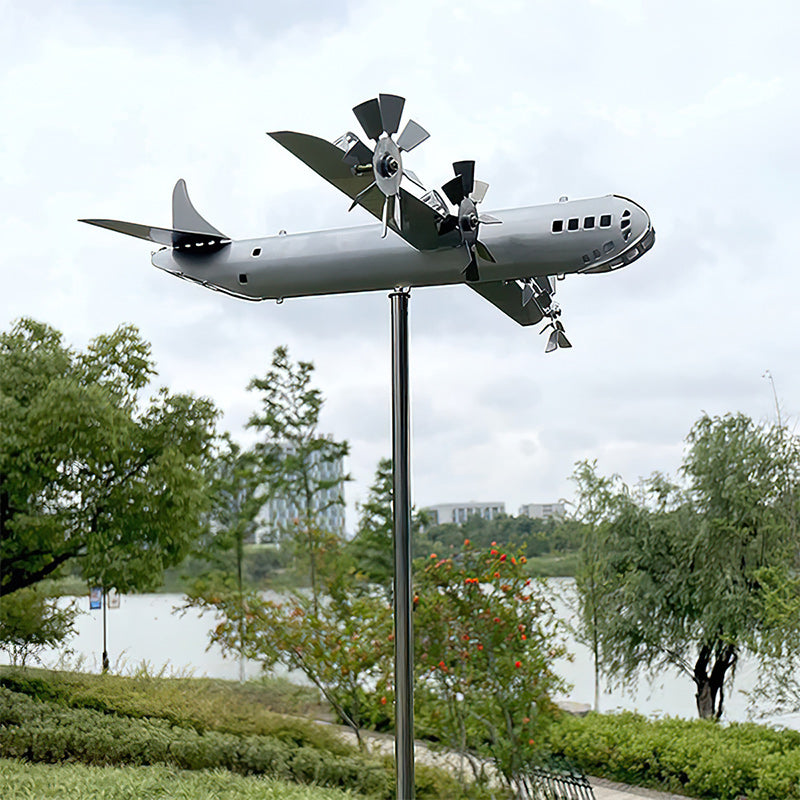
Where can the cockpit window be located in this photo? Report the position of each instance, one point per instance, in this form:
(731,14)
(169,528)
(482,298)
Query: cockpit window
(605,221)
(558,225)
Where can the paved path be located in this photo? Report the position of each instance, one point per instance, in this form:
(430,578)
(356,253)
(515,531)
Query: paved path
(606,790)
(603,790)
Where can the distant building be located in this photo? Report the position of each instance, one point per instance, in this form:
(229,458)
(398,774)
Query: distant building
(459,512)
(542,510)
(278,513)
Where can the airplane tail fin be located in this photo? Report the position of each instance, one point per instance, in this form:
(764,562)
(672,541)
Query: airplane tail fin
(189,230)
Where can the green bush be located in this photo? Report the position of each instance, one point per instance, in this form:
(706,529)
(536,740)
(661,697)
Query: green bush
(45,731)
(699,758)
(202,704)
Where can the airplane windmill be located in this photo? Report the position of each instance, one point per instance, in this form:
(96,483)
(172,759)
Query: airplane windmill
(510,264)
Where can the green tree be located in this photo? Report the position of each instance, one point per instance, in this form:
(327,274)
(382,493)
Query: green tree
(236,500)
(486,639)
(690,575)
(89,471)
(300,464)
(372,547)
(31,622)
(341,644)
(595,495)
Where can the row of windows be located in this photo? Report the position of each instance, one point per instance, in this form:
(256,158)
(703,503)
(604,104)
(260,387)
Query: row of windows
(574,223)
(608,247)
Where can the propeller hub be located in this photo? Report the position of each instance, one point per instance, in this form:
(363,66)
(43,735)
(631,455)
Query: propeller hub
(388,165)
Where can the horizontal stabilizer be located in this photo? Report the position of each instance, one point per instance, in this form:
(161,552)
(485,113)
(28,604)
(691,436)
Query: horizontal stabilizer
(507,296)
(165,236)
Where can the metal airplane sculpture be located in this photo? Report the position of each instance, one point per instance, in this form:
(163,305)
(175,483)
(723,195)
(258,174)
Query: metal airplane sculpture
(508,257)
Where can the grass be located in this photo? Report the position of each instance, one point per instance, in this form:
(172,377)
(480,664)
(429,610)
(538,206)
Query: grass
(24,781)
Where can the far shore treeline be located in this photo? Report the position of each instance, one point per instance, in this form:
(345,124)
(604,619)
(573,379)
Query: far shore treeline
(108,480)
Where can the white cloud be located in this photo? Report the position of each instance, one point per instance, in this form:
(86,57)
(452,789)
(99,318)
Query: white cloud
(688,107)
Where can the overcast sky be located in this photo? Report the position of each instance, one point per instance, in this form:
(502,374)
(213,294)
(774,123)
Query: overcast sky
(689,108)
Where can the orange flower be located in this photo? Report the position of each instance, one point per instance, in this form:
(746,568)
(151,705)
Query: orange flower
(466,542)
(522,560)
(530,742)
(434,556)
(523,637)
(383,701)
(497,574)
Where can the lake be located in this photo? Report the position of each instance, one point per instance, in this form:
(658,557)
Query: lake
(147,628)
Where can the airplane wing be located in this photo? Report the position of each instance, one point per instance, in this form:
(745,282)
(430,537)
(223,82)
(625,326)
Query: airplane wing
(507,296)
(420,221)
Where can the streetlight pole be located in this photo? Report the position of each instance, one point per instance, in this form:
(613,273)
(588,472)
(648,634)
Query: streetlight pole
(403,623)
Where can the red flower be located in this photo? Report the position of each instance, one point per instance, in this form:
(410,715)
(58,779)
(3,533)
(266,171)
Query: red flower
(497,574)
(466,542)
(497,620)
(465,637)
(523,637)
(494,544)
(383,701)
(493,552)
(503,557)
(480,647)
(530,742)
(517,664)
(434,556)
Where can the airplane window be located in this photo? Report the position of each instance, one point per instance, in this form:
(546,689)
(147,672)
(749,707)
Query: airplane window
(605,221)
(242,277)
(256,252)
(625,223)
(558,225)
(596,253)
(586,259)
(588,222)
(626,213)
(572,224)
(608,247)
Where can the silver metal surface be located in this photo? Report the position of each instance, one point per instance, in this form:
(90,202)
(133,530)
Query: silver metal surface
(403,620)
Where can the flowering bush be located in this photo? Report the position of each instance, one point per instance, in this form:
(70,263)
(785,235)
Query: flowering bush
(486,639)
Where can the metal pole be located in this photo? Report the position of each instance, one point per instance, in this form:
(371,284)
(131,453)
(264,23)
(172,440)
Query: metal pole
(403,624)
(105,646)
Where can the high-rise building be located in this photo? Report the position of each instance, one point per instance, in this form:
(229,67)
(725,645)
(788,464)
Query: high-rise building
(459,512)
(542,510)
(328,506)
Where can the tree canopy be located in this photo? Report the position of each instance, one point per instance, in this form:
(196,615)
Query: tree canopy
(686,576)
(89,469)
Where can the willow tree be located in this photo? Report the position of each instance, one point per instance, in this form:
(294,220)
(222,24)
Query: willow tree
(689,573)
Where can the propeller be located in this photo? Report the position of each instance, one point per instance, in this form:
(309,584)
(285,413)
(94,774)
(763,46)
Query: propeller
(465,192)
(557,336)
(380,119)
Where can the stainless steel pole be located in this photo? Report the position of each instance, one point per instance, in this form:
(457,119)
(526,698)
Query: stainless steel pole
(403,624)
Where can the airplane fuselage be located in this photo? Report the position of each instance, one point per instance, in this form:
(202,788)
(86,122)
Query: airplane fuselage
(580,236)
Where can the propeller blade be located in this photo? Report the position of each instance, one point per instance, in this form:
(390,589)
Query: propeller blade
(454,190)
(479,191)
(358,154)
(471,270)
(488,219)
(527,294)
(385,218)
(413,178)
(562,340)
(448,224)
(391,110)
(552,342)
(558,326)
(368,115)
(412,135)
(466,169)
(361,194)
(398,213)
(483,252)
